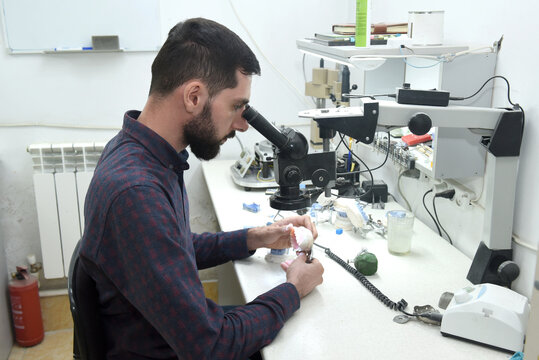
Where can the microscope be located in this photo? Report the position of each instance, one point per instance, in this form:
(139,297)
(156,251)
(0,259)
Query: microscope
(293,164)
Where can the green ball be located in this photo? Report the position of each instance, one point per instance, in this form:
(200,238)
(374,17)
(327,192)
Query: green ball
(366,263)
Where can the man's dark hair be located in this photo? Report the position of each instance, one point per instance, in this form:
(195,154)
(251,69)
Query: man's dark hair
(205,50)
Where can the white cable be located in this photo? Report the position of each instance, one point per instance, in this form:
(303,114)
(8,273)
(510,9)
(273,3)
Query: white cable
(475,202)
(518,241)
(444,57)
(460,53)
(431,57)
(241,144)
(305,76)
(303,67)
(399,189)
(298,93)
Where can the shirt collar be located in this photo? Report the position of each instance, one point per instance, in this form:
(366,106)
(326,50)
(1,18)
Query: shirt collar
(154,143)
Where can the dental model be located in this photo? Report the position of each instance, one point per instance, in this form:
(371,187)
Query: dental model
(302,240)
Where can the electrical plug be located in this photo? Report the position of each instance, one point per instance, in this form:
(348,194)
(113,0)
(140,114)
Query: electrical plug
(438,187)
(447,194)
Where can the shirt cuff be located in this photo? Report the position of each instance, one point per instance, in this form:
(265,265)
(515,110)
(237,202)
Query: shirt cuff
(293,296)
(287,296)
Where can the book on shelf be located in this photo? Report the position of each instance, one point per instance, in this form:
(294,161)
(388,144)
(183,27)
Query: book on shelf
(378,28)
(381,39)
(334,42)
(344,29)
(334,37)
(391,28)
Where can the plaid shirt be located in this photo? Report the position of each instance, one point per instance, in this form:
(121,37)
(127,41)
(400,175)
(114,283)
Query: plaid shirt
(139,248)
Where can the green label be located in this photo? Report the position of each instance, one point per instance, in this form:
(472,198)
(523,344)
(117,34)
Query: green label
(362,31)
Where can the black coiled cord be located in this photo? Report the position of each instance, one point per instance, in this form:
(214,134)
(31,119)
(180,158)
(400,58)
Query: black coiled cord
(400,306)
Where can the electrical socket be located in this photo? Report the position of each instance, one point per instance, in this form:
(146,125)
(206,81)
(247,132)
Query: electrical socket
(424,177)
(439,187)
(412,173)
(462,198)
(463,195)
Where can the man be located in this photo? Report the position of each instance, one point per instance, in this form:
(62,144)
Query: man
(137,243)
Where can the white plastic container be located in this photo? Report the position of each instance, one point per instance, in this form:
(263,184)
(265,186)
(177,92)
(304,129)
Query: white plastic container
(400,228)
(426,27)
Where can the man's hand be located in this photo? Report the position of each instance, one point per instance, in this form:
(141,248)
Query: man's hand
(277,235)
(305,277)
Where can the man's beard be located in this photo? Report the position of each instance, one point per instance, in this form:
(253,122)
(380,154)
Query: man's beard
(200,134)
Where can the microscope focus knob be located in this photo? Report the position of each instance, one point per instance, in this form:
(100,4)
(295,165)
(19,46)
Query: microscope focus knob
(292,175)
(320,177)
(508,271)
(420,124)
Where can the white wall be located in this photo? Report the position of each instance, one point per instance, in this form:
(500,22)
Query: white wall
(480,23)
(96,89)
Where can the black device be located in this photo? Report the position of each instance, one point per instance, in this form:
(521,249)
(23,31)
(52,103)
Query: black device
(292,163)
(347,181)
(375,191)
(407,95)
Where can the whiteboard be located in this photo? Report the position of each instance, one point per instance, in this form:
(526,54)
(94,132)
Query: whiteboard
(43,25)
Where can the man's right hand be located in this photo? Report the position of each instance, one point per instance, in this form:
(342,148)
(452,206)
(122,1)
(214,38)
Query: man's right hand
(304,276)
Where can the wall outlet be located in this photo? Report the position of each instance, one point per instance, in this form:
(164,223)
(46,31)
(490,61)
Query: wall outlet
(439,187)
(463,198)
(424,178)
(463,195)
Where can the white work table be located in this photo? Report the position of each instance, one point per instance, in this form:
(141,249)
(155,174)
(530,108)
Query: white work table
(341,319)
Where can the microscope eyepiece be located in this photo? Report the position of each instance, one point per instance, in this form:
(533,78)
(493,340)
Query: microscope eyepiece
(249,113)
(264,127)
(292,163)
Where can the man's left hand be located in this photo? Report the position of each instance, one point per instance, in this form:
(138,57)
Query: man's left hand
(277,235)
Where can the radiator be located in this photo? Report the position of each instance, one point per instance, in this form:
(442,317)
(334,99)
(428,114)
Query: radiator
(62,174)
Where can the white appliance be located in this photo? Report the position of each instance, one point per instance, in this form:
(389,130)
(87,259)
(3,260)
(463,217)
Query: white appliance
(489,314)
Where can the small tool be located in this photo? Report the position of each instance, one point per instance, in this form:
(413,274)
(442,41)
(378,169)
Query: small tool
(309,254)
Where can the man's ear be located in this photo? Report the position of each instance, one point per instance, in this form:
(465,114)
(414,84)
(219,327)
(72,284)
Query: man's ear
(195,96)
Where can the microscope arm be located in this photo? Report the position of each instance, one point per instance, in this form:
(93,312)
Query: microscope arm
(504,126)
(501,131)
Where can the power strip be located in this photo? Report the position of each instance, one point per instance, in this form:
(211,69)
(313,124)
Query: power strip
(398,154)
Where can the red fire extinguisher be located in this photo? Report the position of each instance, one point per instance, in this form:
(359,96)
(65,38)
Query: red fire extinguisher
(25,308)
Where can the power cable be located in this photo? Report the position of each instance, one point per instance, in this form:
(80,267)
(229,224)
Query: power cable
(400,190)
(438,220)
(515,106)
(432,217)
(366,167)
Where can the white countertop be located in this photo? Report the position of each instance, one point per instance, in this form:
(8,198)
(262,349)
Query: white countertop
(341,319)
